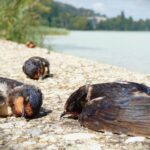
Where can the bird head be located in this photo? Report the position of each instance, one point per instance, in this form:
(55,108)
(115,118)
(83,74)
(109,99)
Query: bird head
(33,69)
(76,102)
(26,101)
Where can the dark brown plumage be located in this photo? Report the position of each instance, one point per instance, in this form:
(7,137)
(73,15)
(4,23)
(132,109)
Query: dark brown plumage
(19,99)
(116,107)
(36,68)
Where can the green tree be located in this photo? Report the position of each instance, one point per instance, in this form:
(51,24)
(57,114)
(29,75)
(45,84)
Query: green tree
(19,19)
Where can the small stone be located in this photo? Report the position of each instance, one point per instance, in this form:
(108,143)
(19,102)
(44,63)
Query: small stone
(6,125)
(78,136)
(48,138)
(135,139)
(34,132)
(27,143)
(52,147)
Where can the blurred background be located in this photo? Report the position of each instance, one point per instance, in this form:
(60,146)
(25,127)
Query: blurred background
(115,32)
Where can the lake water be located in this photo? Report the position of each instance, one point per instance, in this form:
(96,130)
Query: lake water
(126,49)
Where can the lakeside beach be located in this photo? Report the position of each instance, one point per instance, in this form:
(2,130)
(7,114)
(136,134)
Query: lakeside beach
(69,73)
(127,49)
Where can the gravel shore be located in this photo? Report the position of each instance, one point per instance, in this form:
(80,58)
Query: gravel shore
(69,73)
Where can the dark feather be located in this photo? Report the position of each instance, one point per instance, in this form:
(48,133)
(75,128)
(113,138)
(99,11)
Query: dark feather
(125,108)
(35,64)
(10,82)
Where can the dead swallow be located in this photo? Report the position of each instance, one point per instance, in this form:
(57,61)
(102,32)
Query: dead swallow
(116,107)
(36,68)
(19,99)
(30,44)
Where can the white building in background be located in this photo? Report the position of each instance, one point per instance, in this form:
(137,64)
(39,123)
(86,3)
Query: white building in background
(96,19)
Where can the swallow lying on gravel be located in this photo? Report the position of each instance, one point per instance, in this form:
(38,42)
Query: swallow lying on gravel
(19,99)
(116,107)
(36,68)
(30,44)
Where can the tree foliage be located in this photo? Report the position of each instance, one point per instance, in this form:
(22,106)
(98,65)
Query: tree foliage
(67,16)
(19,17)
(122,23)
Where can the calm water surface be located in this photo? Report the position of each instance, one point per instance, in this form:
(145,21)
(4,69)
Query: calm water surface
(126,49)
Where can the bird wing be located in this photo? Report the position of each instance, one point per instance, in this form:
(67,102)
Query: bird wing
(10,82)
(125,115)
(115,90)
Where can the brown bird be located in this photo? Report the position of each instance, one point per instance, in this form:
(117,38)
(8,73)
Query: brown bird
(116,107)
(19,99)
(30,44)
(36,68)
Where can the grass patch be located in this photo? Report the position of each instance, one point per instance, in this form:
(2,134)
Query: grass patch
(41,31)
(52,31)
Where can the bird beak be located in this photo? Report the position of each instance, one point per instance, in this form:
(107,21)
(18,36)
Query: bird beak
(63,114)
(73,115)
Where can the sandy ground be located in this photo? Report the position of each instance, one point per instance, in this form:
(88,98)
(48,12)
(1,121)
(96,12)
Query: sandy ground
(50,132)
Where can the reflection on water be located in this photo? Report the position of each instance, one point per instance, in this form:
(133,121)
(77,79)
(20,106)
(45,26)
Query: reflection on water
(125,49)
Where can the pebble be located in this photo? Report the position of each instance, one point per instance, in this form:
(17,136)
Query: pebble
(78,136)
(135,139)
